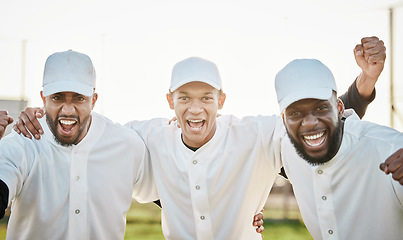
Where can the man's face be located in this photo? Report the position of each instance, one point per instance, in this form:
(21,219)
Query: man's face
(196,105)
(315,128)
(68,115)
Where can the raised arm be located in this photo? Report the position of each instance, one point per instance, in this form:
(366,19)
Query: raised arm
(370,56)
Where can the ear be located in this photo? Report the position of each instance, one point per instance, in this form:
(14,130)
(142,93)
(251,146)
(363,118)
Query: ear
(43,99)
(340,107)
(94,100)
(170,101)
(221,100)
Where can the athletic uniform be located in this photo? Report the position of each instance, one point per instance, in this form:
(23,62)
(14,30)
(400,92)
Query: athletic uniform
(215,191)
(79,192)
(349,197)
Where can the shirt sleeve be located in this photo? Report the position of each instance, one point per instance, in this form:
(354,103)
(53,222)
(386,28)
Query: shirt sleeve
(144,187)
(16,160)
(352,99)
(3,198)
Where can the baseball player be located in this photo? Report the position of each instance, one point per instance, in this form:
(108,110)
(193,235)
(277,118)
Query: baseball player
(210,165)
(77,181)
(334,169)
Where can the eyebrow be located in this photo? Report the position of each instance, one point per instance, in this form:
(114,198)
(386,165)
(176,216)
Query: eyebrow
(187,93)
(64,94)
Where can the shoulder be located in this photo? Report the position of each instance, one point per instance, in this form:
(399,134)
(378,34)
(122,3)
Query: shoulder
(251,123)
(154,122)
(113,131)
(373,132)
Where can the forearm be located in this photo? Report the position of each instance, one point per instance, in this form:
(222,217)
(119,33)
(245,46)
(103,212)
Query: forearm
(365,86)
(353,98)
(3,198)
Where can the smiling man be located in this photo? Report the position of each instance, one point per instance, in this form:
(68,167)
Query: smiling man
(213,174)
(334,171)
(77,181)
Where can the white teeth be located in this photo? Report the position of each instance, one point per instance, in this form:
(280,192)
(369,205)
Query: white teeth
(67,122)
(316,136)
(315,144)
(195,121)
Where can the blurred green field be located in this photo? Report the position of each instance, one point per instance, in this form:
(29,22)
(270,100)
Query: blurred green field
(143,222)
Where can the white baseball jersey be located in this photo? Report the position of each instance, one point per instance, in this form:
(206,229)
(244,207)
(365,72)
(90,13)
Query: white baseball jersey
(215,191)
(349,197)
(77,192)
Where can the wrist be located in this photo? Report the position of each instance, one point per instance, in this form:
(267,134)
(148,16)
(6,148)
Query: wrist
(365,85)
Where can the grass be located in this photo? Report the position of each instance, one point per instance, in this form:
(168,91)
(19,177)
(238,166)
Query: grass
(143,222)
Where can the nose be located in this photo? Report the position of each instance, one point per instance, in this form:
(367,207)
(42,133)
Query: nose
(68,109)
(309,120)
(195,107)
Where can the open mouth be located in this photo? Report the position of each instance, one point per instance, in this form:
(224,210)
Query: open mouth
(67,126)
(196,125)
(315,140)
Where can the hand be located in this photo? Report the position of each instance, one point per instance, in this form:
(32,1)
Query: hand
(370,56)
(258,222)
(394,165)
(27,121)
(173,120)
(5,119)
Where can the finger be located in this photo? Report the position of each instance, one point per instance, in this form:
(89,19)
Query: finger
(383,167)
(358,49)
(368,39)
(398,175)
(396,155)
(396,164)
(32,124)
(359,55)
(258,223)
(377,58)
(4,122)
(33,115)
(260,229)
(373,44)
(259,216)
(40,113)
(16,129)
(379,51)
(25,119)
(21,129)
(10,120)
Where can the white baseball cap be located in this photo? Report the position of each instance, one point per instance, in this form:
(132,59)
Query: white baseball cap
(195,69)
(68,71)
(301,79)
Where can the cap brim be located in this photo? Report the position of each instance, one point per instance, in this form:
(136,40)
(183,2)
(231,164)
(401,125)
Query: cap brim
(316,93)
(67,86)
(180,84)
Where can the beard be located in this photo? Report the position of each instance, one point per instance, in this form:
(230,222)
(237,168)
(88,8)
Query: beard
(334,143)
(52,123)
